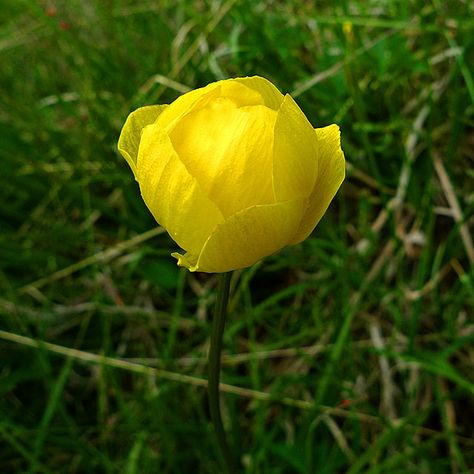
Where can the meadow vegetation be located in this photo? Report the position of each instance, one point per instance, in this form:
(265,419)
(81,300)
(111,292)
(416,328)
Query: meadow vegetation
(349,353)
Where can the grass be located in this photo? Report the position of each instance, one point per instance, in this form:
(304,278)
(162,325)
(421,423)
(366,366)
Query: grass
(351,352)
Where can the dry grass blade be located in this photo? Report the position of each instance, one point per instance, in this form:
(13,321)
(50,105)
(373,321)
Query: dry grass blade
(322,76)
(339,437)
(169,79)
(90,357)
(388,387)
(99,257)
(456,208)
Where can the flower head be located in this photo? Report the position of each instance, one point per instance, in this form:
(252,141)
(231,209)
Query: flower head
(233,171)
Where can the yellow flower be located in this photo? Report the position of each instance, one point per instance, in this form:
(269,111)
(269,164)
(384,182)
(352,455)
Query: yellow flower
(233,171)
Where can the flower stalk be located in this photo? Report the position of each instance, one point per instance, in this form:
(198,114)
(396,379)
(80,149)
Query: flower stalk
(214,366)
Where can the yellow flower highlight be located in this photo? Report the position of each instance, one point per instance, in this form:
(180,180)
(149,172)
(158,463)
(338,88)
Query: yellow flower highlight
(233,171)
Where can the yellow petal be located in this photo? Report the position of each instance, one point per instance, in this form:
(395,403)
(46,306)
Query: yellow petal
(228,149)
(243,91)
(247,237)
(173,196)
(129,139)
(184,104)
(295,161)
(270,95)
(237,92)
(330,176)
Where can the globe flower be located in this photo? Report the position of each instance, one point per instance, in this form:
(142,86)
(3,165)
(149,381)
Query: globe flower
(234,171)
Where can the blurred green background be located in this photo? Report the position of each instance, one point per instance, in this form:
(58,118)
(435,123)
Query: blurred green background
(349,353)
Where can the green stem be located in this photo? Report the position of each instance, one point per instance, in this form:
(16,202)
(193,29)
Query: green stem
(214,366)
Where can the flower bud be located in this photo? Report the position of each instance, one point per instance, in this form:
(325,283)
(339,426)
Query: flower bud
(233,171)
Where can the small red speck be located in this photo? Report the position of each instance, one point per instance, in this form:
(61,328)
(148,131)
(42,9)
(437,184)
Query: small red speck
(64,25)
(51,11)
(345,402)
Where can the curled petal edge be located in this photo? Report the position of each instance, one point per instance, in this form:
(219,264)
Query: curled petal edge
(247,237)
(331,174)
(130,136)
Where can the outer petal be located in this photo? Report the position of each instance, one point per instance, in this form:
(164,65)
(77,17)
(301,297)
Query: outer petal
(247,237)
(243,91)
(129,139)
(229,150)
(184,104)
(270,95)
(173,196)
(331,175)
(295,162)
